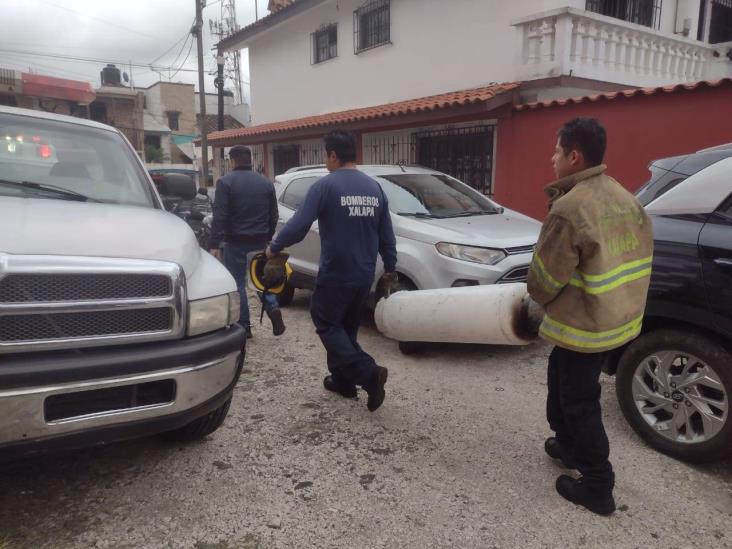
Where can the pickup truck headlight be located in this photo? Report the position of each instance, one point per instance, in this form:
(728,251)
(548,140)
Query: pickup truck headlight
(213,313)
(486,256)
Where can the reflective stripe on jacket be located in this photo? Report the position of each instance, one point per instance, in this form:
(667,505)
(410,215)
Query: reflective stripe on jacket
(592,264)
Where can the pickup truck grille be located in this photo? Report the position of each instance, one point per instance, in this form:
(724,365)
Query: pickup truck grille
(15,328)
(27,288)
(56,302)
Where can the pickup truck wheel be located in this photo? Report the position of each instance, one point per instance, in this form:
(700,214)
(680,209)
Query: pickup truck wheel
(201,427)
(674,389)
(287,295)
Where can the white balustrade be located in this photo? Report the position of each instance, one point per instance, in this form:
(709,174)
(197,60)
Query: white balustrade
(579,43)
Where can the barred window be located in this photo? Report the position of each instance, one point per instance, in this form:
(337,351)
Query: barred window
(173,120)
(640,12)
(372,25)
(324,44)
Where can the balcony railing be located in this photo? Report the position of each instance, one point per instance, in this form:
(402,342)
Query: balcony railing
(580,43)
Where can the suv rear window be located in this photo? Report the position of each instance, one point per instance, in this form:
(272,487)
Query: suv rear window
(669,172)
(660,183)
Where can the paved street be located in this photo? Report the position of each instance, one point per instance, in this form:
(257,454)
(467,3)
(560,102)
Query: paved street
(453,459)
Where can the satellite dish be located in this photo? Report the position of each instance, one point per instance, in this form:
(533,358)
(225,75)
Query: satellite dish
(125,77)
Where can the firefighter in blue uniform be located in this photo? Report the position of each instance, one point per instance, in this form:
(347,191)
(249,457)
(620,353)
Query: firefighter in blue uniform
(355,226)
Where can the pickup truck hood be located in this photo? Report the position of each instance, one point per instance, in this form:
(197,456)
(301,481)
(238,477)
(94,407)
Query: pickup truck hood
(507,230)
(62,227)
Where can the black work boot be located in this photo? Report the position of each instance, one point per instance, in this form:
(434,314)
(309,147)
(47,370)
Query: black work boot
(554,450)
(278,325)
(576,491)
(344,390)
(375,388)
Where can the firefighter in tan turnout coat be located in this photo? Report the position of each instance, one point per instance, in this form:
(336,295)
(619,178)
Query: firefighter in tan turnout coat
(590,272)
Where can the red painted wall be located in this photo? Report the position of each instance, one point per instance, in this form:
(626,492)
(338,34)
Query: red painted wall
(640,129)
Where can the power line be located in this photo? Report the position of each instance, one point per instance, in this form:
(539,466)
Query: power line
(95,60)
(177,57)
(184,61)
(111,23)
(166,52)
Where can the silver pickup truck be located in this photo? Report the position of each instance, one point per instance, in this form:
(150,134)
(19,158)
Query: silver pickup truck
(114,323)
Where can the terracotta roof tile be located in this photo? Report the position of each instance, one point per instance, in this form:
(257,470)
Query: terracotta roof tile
(431,103)
(624,93)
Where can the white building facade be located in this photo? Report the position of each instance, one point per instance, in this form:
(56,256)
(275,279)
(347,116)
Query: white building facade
(315,57)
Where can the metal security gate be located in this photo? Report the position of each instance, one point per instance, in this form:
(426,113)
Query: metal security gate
(285,157)
(464,153)
(312,154)
(393,150)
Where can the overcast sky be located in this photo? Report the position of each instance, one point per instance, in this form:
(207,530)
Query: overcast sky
(113,30)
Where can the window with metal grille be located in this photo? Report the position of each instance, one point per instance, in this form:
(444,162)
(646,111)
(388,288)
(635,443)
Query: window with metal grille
(640,12)
(285,157)
(372,25)
(173,118)
(464,153)
(720,21)
(324,44)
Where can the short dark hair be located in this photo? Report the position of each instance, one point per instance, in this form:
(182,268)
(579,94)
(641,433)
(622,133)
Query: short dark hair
(343,144)
(587,136)
(241,155)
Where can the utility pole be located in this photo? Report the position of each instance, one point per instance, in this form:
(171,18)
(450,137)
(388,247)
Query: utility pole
(225,26)
(202,92)
(219,82)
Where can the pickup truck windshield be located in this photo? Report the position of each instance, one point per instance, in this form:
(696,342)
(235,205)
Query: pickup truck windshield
(40,155)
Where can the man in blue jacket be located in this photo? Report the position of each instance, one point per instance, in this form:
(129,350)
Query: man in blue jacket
(245,219)
(355,226)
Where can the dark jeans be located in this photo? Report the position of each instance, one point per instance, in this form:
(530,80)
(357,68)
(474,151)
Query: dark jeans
(236,260)
(573,412)
(336,313)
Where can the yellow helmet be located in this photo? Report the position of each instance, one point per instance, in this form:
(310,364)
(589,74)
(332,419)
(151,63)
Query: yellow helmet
(269,282)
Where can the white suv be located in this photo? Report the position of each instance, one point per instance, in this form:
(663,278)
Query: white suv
(447,233)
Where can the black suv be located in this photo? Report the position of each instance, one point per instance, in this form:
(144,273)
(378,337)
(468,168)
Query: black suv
(674,382)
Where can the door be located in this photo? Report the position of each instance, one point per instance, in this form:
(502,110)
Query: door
(715,244)
(305,256)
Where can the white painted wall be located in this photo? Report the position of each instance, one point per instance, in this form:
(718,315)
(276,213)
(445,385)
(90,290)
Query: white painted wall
(153,101)
(212,103)
(437,47)
(239,112)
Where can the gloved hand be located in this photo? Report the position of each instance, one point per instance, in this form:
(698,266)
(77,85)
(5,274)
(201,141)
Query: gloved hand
(274,270)
(532,315)
(390,283)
